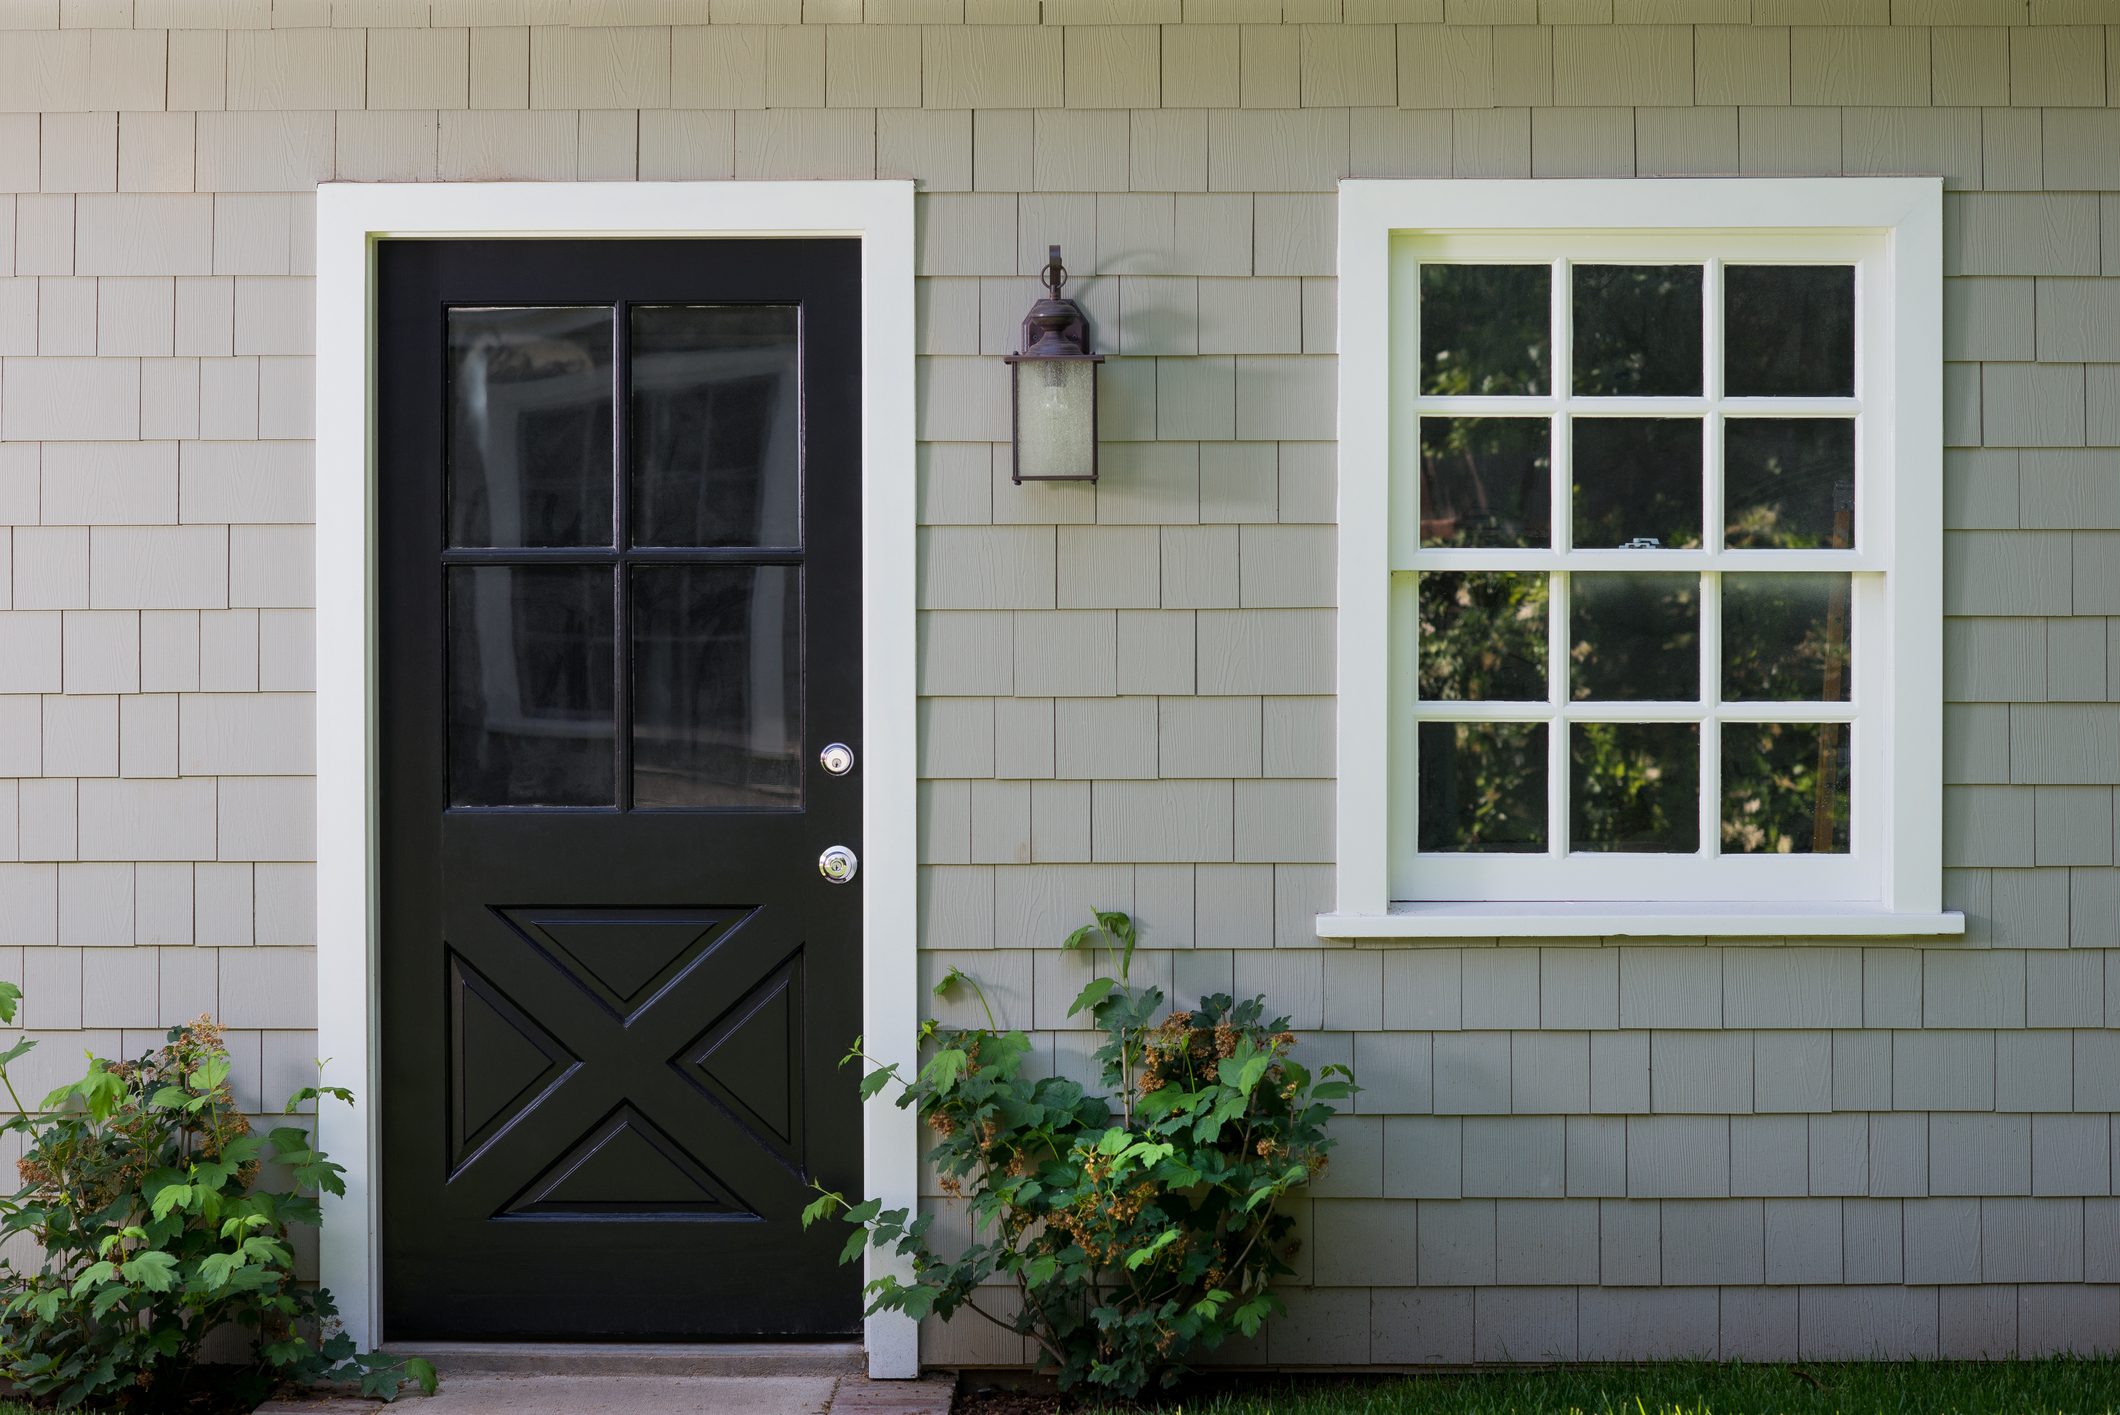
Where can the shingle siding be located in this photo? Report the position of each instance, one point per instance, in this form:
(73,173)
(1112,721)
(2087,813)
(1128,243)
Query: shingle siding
(1591,1152)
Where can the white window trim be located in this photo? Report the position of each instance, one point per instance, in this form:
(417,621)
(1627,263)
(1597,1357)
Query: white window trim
(350,220)
(1906,215)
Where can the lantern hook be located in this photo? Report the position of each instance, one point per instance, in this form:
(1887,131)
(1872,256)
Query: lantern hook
(1055,274)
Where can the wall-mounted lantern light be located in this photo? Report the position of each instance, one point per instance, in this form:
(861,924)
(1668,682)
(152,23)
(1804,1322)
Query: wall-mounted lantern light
(1053,389)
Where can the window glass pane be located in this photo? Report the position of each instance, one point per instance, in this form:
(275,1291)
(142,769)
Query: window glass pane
(1789,483)
(530,685)
(1785,638)
(717,685)
(716,425)
(1789,331)
(1483,636)
(1634,786)
(1785,788)
(1486,329)
(530,426)
(1637,483)
(1486,482)
(1637,330)
(1634,637)
(1482,786)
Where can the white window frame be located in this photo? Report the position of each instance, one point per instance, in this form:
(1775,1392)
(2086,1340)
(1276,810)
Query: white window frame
(1891,881)
(351,220)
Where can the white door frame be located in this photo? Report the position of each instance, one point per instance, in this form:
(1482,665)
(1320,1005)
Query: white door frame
(350,220)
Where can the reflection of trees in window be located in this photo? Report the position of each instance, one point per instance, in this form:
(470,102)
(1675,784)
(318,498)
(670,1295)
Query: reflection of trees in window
(1637,480)
(1634,786)
(1785,638)
(1789,331)
(1486,482)
(1785,787)
(1637,330)
(1483,636)
(1634,636)
(1789,483)
(1482,786)
(1486,329)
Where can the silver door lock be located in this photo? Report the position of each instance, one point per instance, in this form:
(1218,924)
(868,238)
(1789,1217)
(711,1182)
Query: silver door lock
(838,758)
(838,864)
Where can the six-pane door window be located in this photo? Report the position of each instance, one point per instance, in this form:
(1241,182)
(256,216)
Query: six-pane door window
(1630,567)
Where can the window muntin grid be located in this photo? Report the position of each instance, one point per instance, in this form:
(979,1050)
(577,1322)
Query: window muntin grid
(1838,853)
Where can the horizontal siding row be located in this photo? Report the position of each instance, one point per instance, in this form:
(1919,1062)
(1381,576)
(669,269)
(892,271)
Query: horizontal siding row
(1398,1325)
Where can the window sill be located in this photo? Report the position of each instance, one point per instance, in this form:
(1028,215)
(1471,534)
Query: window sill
(1711,920)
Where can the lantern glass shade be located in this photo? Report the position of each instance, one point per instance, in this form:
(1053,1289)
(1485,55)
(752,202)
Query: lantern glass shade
(1056,418)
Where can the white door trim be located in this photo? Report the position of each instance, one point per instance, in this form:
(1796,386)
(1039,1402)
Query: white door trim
(350,219)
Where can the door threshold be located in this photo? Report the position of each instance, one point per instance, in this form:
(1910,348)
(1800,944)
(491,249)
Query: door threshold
(644,1358)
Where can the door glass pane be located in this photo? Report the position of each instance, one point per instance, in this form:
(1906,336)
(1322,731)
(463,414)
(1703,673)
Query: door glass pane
(1785,638)
(1486,482)
(1637,483)
(1634,637)
(1634,787)
(1789,483)
(1789,331)
(717,685)
(1785,788)
(1637,330)
(530,685)
(1482,786)
(1483,636)
(716,425)
(530,426)
(1485,329)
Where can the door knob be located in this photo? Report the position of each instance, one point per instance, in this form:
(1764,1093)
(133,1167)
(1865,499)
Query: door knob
(838,864)
(838,758)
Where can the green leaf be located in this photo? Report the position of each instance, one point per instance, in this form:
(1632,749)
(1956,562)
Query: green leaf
(10,994)
(154,1270)
(1254,1068)
(945,1069)
(820,1206)
(94,1275)
(865,1211)
(877,1080)
(856,1241)
(1114,1140)
(171,1197)
(216,1268)
(1096,992)
(421,1372)
(949,982)
(1141,1256)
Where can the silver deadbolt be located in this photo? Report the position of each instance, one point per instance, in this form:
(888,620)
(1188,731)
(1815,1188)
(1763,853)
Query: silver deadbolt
(838,864)
(838,758)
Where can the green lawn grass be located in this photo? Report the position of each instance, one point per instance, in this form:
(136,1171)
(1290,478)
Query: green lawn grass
(2057,1386)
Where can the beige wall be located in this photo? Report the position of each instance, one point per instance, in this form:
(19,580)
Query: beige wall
(1807,1150)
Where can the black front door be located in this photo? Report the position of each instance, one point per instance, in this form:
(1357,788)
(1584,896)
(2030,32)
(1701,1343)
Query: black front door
(619,605)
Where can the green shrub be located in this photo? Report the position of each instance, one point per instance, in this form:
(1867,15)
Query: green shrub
(1138,1229)
(145,1191)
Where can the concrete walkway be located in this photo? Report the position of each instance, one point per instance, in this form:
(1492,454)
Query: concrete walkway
(579,1395)
(543,1394)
